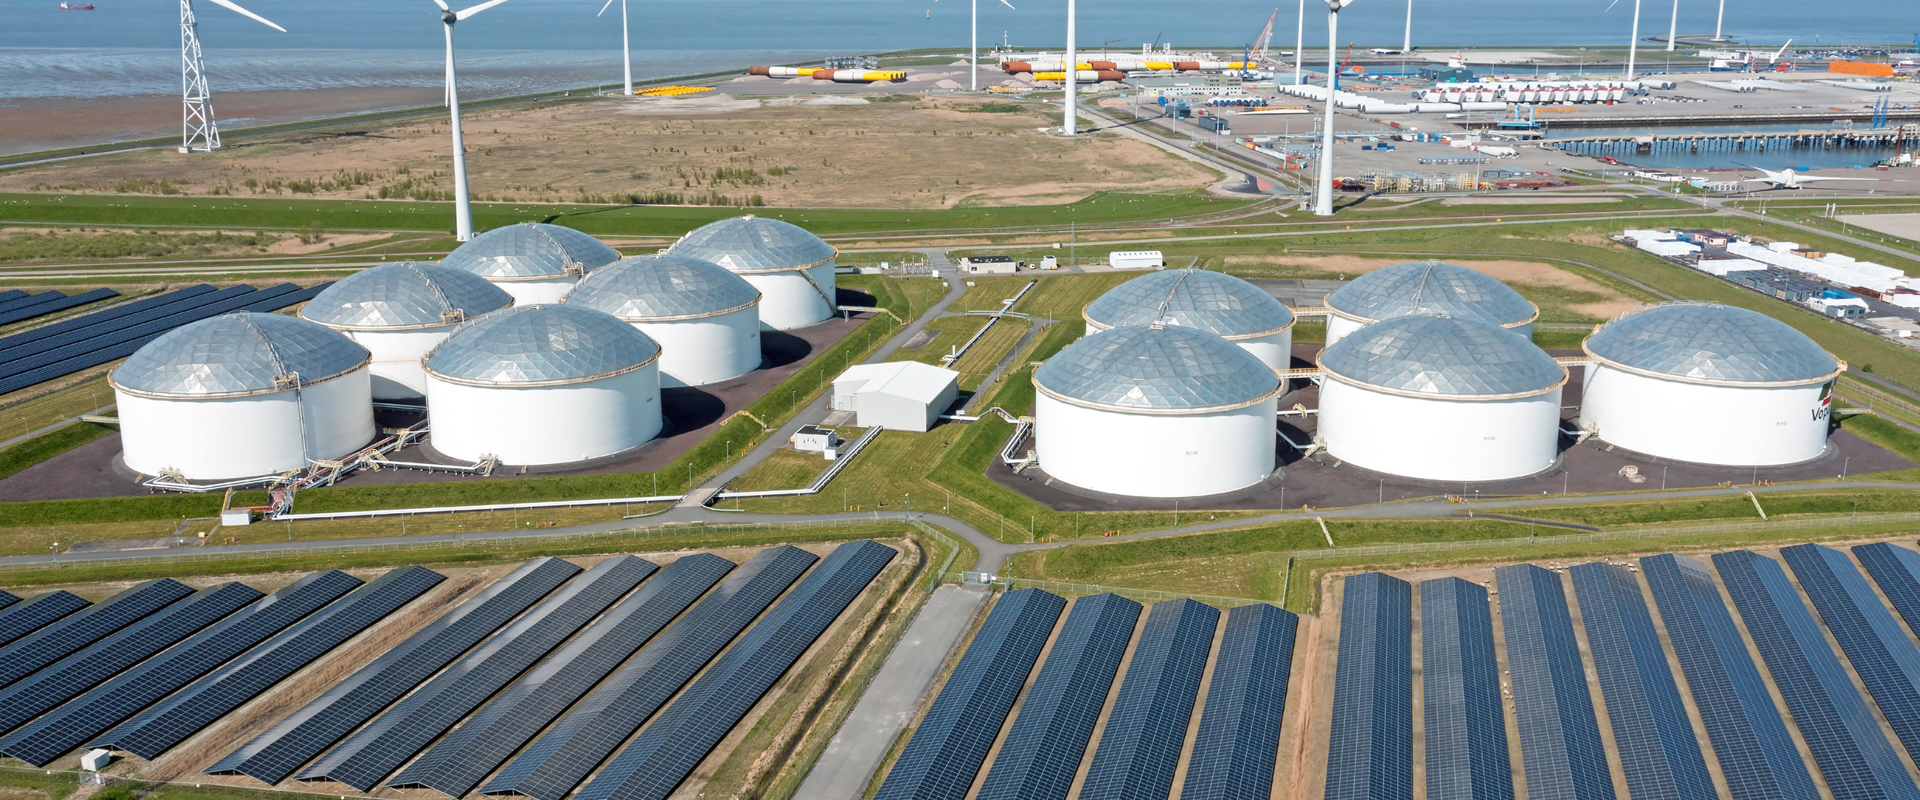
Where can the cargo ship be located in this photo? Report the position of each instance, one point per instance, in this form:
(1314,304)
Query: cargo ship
(76,7)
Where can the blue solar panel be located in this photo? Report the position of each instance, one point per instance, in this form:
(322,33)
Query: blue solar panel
(8,598)
(1239,737)
(1897,570)
(11,295)
(667,750)
(70,725)
(1885,659)
(1049,738)
(1140,746)
(1370,745)
(68,331)
(53,350)
(555,763)
(1658,751)
(950,744)
(22,300)
(1560,746)
(187,711)
(1465,721)
(58,302)
(1846,740)
(24,618)
(61,639)
(294,741)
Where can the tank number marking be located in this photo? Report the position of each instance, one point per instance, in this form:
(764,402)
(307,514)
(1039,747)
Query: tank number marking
(1489,438)
(1193,452)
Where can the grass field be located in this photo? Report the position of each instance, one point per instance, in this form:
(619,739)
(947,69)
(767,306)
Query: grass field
(1717,509)
(36,784)
(784,469)
(48,445)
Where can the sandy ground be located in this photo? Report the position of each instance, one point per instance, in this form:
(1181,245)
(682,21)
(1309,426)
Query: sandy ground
(1906,226)
(1527,272)
(27,125)
(819,152)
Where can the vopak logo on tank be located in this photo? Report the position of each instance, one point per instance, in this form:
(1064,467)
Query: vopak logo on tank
(1825,409)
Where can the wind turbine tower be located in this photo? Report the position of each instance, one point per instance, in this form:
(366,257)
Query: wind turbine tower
(1072,125)
(1633,47)
(1673,25)
(462,203)
(1299,42)
(626,49)
(1406,46)
(1323,205)
(199,130)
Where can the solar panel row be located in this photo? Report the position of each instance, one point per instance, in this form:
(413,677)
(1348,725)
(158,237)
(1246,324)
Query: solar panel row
(375,751)
(294,741)
(558,761)
(1370,748)
(1885,659)
(24,618)
(11,295)
(1658,751)
(1897,571)
(1239,738)
(1465,721)
(24,299)
(465,757)
(1560,747)
(68,331)
(1140,747)
(32,307)
(69,726)
(56,349)
(952,741)
(61,639)
(1847,742)
(8,598)
(186,712)
(1049,738)
(665,752)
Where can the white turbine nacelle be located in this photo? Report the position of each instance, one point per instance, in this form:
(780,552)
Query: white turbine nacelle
(1789,179)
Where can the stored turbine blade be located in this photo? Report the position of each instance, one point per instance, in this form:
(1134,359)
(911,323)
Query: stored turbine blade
(604,7)
(472,10)
(234,7)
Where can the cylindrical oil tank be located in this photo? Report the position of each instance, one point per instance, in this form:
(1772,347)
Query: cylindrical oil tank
(1709,384)
(242,395)
(1431,286)
(1156,412)
(1217,303)
(543,384)
(533,261)
(705,319)
(400,311)
(793,269)
(1440,398)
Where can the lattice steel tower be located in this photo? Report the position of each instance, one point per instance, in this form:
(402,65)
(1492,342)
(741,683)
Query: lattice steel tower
(198,129)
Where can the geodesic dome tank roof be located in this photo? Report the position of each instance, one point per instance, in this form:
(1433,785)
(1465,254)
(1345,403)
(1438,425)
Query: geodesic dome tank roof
(662,286)
(754,244)
(1711,343)
(1432,286)
(541,344)
(1214,302)
(1168,369)
(1429,355)
(239,354)
(530,251)
(406,294)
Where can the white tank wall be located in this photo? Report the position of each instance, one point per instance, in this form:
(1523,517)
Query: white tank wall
(396,359)
(1153,455)
(706,350)
(1736,425)
(1444,440)
(1274,350)
(1338,327)
(788,301)
(545,290)
(242,437)
(545,424)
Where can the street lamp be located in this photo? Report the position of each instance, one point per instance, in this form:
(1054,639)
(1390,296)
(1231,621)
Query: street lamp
(1323,206)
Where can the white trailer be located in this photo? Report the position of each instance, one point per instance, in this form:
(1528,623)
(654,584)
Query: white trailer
(1136,259)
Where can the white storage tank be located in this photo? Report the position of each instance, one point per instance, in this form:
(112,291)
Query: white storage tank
(1217,303)
(543,384)
(705,319)
(1434,287)
(400,311)
(1440,398)
(793,269)
(1709,384)
(533,261)
(1156,412)
(243,395)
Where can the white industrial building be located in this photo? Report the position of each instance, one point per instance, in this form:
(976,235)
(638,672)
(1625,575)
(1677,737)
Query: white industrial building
(400,311)
(988,265)
(1136,259)
(1156,412)
(1215,302)
(243,395)
(705,319)
(1709,384)
(1440,398)
(793,269)
(897,395)
(543,384)
(1435,287)
(533,261)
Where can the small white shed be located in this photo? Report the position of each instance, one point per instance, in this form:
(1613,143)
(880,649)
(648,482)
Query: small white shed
(898,396)
(1136,259)
(815,439)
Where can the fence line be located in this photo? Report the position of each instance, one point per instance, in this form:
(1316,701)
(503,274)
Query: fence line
(1009,583)
(1612,536)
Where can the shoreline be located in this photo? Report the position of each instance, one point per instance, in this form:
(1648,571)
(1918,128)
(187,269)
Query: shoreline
(34,124)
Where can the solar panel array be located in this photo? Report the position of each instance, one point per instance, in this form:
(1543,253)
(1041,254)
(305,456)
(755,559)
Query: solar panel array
(8,598)
(1234,752)
(77,328)
(1049,738)
(11,295)
(294,741)
(375,751)
(1897,571)
(952,740)
(1885,659)
(61,730)
(45,303)
(1140,746)
(57,641)
(666,751)
(1841,731)
(20,619)
(1658,751)
(1370,750)
(1560,747)
(555,763)
(1464,719)
(465,757)
(186,712)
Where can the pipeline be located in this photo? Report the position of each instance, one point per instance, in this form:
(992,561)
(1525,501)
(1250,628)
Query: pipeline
(820,482)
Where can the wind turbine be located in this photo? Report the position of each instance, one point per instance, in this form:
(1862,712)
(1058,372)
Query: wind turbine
(462,204)
(1407,45)
(973,59)
(1299,42)
(1722,17)
(1673,25)
(1323,205)
(626,51)
(198,128)
(1633,47)
(1072,125)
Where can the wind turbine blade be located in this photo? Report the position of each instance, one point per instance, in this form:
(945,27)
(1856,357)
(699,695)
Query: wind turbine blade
(1008,5)
(442,4)
(235,8)
(472,10)
(604,7)
(1611,5)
